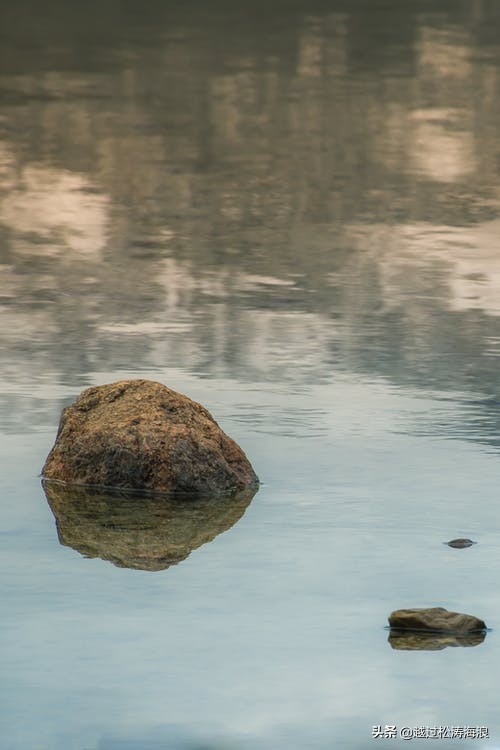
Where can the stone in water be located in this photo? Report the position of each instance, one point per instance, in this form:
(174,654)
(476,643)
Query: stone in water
(141,435)
(435,619)
(460,543)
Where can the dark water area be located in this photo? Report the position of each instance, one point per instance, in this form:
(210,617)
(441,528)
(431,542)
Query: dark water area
(290,212)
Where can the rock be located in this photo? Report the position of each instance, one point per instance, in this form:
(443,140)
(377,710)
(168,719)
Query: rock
(138,434)
(460,543)
(407,640)
(145,532)
(435,619)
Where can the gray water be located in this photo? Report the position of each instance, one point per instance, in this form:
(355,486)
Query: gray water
(289,212)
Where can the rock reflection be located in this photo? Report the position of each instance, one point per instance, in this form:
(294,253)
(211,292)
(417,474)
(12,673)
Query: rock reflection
(402,640)
(139,531)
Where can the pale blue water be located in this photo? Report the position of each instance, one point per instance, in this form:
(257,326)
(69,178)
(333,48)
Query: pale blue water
(290,215)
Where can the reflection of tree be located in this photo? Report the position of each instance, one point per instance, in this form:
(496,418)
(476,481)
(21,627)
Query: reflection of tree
(211,190)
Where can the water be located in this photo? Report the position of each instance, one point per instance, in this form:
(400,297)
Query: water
(289,212)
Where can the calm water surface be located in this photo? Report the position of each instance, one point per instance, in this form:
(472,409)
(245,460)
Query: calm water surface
(291,214)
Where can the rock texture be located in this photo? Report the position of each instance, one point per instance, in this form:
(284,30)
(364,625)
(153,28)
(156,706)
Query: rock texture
(138,434)
(435,619)
(131,530)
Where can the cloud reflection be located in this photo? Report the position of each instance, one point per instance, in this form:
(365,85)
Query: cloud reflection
(52,211)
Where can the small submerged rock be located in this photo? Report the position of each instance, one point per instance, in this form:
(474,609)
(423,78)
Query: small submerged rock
(435,620)
(141,435)
(460,543)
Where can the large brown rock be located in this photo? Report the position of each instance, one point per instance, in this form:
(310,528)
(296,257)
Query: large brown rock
(435,619)
(146,532)
(138,434)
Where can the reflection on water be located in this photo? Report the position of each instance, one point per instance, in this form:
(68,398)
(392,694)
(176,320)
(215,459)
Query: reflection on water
(403,640)
(292,208)
(142,532)
(273,213)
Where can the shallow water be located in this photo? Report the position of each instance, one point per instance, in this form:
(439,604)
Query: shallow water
(290,214)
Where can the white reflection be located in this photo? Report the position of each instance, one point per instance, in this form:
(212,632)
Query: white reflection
(441,148)
(55,207)
(7,167)
(145,327)
(475,282)
(253,280)
(468,257)
(310,52)
(444,53)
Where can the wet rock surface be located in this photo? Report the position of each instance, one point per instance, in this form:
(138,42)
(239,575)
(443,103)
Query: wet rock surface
(435,620)
(136,531)
(141,435)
